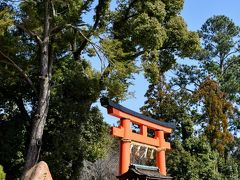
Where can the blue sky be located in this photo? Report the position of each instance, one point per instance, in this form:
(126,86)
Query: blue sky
(195,13)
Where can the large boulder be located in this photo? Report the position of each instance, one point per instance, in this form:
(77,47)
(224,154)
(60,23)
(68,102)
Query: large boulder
(40,171)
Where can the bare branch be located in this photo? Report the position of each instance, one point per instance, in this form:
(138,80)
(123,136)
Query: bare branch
(57,29)
(99,12)
(94,45)
(20,70)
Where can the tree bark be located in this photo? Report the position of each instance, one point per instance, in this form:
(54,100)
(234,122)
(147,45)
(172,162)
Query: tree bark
(44,96)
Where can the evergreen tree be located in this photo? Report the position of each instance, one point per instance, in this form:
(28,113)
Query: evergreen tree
(219,58)
(208,82)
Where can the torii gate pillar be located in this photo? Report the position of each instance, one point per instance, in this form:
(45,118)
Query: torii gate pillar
(125,144)
(160,155)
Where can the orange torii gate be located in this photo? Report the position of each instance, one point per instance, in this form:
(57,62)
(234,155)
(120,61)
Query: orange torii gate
(124,131)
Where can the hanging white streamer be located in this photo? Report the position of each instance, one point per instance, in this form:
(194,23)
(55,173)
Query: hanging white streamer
(151,156)
(131,147)
(138,151)
(145,153)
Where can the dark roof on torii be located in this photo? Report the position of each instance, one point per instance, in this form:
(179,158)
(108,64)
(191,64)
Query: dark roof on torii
(143,173)
(105,102)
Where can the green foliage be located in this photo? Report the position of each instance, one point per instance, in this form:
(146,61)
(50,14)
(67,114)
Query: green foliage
(186,42)
(193,160)
(218,35)
(5,19)
(2,174)
(75,130)
(173,7)
(154,31)
(236,152)
(228,168)
(160,103)
(121,67)
(74,139)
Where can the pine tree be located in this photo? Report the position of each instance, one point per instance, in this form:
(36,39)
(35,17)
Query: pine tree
(219,59)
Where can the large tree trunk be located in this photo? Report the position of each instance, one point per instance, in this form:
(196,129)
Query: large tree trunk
(44,96)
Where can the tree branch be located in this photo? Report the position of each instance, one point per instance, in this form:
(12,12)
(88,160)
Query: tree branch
(20,70)
(230,53)
(99,10)
(30,33)
(95,46)
(228,65)
(21,107)
(59,28)
(104,75)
